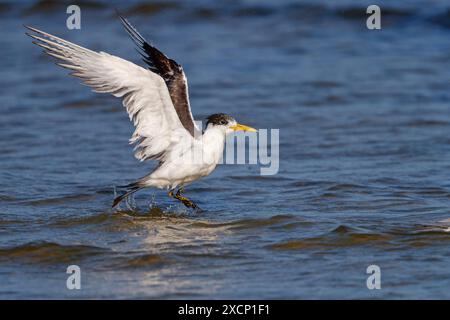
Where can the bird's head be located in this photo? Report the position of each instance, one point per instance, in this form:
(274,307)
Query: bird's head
(226,123)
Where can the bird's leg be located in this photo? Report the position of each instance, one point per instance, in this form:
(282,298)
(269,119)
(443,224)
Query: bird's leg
(188,203)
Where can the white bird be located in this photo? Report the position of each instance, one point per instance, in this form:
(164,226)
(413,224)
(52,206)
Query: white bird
(157,102)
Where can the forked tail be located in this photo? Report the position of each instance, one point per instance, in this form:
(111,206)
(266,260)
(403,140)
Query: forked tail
(129,190)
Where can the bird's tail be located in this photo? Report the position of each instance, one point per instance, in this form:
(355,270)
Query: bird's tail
(128,190)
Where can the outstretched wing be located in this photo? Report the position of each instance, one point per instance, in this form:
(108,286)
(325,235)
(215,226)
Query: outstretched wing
(171,72)
(144,93)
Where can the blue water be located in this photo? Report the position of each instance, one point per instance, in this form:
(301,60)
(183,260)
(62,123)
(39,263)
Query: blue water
(364,125)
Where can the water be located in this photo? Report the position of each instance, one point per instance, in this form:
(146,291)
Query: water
(364,155)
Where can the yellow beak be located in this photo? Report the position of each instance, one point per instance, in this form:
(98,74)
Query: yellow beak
(241,127)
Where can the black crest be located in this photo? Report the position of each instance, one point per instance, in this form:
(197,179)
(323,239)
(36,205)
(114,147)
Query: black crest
(219,119)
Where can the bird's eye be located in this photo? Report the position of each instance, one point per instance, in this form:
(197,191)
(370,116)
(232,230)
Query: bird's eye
(223,122)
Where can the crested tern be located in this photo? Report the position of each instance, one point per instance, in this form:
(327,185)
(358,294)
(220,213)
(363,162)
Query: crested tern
(157,101)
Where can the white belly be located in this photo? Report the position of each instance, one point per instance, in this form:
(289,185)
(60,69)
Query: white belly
(182,171)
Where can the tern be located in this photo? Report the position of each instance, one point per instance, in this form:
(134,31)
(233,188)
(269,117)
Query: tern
(157,101)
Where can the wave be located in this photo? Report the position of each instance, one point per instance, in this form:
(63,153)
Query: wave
(346,236)
(49,252)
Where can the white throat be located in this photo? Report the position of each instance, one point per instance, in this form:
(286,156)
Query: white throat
(213,144)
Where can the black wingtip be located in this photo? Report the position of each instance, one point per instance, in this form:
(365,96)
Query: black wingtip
(118,13)
(121,17)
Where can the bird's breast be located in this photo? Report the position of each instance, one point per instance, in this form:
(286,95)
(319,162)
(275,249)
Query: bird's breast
(212,149)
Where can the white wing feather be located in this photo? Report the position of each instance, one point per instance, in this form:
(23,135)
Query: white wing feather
(144,93)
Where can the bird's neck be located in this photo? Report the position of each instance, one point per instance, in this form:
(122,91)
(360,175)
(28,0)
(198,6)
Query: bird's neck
(213,143)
